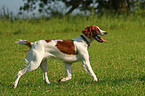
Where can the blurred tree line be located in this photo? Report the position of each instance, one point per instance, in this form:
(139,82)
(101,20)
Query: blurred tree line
(95,6)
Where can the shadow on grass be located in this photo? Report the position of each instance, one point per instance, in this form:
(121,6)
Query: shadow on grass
(81,81)
(142,78)
(117,81)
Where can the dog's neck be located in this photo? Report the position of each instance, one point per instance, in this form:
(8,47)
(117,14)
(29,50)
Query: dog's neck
(84,39)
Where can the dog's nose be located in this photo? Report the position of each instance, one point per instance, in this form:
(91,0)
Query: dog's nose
(105,33)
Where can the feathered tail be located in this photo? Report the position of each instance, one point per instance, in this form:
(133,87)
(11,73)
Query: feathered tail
(24,42)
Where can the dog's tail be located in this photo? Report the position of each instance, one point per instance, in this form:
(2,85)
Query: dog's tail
(24,42)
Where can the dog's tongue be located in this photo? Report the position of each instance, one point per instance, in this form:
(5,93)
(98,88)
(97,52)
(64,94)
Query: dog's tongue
(103,40)
(100,39)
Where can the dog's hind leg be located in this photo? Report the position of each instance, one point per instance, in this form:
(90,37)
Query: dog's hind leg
(44,70)
(33,64)
(67,67)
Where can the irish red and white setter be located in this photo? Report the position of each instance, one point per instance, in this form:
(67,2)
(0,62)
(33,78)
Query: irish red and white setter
(68,51)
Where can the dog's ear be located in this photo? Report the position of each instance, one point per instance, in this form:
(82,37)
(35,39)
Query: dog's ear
(89,31)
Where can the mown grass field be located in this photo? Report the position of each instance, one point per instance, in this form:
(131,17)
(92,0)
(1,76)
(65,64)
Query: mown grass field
(118,64)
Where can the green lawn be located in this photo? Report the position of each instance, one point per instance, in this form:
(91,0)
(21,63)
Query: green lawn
(118,64)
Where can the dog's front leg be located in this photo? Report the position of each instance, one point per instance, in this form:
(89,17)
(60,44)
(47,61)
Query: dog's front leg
(88,68)
(67,67)
(86,63)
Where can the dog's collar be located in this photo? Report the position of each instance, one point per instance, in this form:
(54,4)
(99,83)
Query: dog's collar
(86,40)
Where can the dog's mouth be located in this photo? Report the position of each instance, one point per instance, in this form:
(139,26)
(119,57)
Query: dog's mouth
(100,39)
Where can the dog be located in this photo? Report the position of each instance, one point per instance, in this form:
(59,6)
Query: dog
(68,51)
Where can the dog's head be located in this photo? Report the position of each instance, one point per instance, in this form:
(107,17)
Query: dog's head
(93,32)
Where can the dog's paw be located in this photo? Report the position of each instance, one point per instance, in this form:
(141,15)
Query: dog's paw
(46,81)
(60,80)
(13,86)
(95,80)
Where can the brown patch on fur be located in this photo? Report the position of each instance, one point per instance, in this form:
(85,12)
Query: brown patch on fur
(47,41)
(28,44)
(66,46)
(91,31)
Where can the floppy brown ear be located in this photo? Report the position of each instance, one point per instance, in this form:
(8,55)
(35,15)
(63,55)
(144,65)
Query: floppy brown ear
(88,32)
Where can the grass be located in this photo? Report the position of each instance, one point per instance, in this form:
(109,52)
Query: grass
(118,64)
